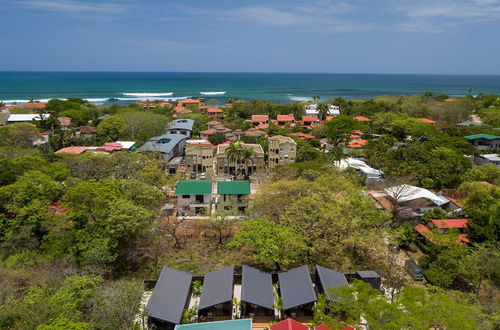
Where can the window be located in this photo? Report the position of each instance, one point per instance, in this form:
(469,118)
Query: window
(186,196)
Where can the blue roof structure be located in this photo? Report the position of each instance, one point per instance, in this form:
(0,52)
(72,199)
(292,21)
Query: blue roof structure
(329,278)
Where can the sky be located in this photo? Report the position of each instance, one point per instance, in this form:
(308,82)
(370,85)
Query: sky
(344,36)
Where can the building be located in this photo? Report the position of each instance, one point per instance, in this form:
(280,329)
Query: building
(312,110)
(72,150)
(370,277)
(297,292)
(282,151)
(233,194)
(369,174)
(169,299)
(181,126)
(65,122)
(310,121)
(283,120)
(487,159)
(361,118)
(260,121)
(199,156)
(443,231)
(85,131)
(167,146)
(484,141)
(227,165)
(327,279)
(216,295)
(214,113)
(191,104)
(193,197)
(257,295)
(26,118)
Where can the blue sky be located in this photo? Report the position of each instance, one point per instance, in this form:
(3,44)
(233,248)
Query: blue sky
(356,36)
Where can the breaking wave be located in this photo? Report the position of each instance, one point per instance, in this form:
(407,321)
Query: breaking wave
(212,93)
(147,94)
(300,98)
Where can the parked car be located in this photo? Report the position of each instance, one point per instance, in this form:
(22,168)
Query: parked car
(203,176)
(414,270)
(193,175)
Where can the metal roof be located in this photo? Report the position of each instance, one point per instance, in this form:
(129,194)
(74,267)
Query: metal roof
(170,295)
(163,143)
(296,287)
(191,187)
(186,124)
(367,274)
(330,279)
(233,187)
(257,287)
(217,287)
(482,136)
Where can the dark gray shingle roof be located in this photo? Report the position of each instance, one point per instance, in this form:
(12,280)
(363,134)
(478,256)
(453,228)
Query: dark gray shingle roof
(257,287)
(330,279)
(169,295)
(367,274)
(217,287)
(296,287)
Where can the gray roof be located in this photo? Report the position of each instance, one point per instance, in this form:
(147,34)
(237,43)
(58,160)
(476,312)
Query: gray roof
(296,287)
(367,274)
(186,124)
(164,143)
(257,287)
(217,287)
(170,295)
(330,279)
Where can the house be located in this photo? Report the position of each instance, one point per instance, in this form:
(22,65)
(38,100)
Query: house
(310,121)
(444,225)
(487,159)
(65,122)
(199,156)
(255,133)
(312,110)
(356,144)
(302,136)
(243,324)
(484,141)
(127,145)
(213,124)
(194,197)
(169,299)
(327,279)
(237,167)
(370,277)
(427,121)
(26,118)
(85,131)
(439,232)
(257,295)
(174,164)
(362,119)
(181,126)
(214,113)
(297,293)
(167,146)
(109,147)
(260,121)
(216,295)
(207,133)
(283,120)
(282,151)
(233,194)
(72,150)
(289,324)
(191,104)
(369,174)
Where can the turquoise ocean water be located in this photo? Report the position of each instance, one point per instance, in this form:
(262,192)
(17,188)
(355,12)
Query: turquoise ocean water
(124,87)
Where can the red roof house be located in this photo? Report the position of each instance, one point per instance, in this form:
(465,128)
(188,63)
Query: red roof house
(450,223)
(283,120)
(361,118)
(71,150)
(289,324)
(302,136)
(357,144)
(427,121)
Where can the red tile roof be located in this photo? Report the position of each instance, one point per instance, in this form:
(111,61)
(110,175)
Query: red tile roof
(208,132)
(302,136)
(64,121)
(37,105)
(289,324)
(463,238)
(71,150)
(86,129)
(427,121)
(450,223)
(357,144)
(288,118)
(361,118)
(212,109)
(310,118)
(190,101)
(259,118)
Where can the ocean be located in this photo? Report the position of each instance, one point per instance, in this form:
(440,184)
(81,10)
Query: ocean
(126,87)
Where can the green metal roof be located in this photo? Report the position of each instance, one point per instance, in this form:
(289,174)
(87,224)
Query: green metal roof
(482,136)
(201,187)
(233,187)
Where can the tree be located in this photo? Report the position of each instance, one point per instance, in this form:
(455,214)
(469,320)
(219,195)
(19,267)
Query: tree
(240,155)
(112,128)
(21,135)
(217,138)
(339,128)
(323,111)
(485,173)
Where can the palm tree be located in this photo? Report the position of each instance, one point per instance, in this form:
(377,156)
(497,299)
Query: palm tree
(315,98)
(240,155)
(323,111)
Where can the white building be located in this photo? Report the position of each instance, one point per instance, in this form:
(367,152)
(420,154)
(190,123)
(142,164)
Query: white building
(369,173)
(26,118)
(312,110)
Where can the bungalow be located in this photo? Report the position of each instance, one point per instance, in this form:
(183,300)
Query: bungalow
(85,131)
(193,197)
(213,124)
(297,293)
(283,120)
(65,122)
(191,104)
(357,144)
(181,126)
(233,194)
(169,299)
(484,141)
(302,136)
(310,121)
(167,146)
(440,233)
(216,295)
(214,113)
(370,277)
(327,279)
(260,121)
(72,150)
(257,295)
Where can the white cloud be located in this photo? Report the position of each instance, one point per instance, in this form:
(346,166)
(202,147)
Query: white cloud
(69,6)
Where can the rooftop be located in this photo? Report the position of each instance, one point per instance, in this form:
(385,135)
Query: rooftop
(482,136)
(163,143)
(233,187)
(289,324)
(361,118)
(450,223)
(259,118)
(186,124)
(285,118)
(243,324)
(26,117)
(189,187)
(427,121)
(217,287)
(404,193)
(257,287)
(71,150)
(330,279)
(296,287)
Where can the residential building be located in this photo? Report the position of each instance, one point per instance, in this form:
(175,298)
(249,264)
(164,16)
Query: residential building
(213,124)
(369,174)
(297,292)
(26,118)
(282,151)
(214,113)
(199,156)
(72,150)
(167,146)
(191,104)
(216,295)
(240,167)
(181,126)
(427,121)
(361,118)
(193,197)
(327,279)
(255,133)
(487,159)
(312,110)
(65,122)
(260,121)
(310,121)
(85,131)
(233,194)
(257,294)
(370,277)
(302,136)
(484,141)
(443,232)
(283,120)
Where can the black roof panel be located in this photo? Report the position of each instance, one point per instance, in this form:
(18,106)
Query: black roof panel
(257,287)
(296,287)
(330,279)
(169,295)
(217,287)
